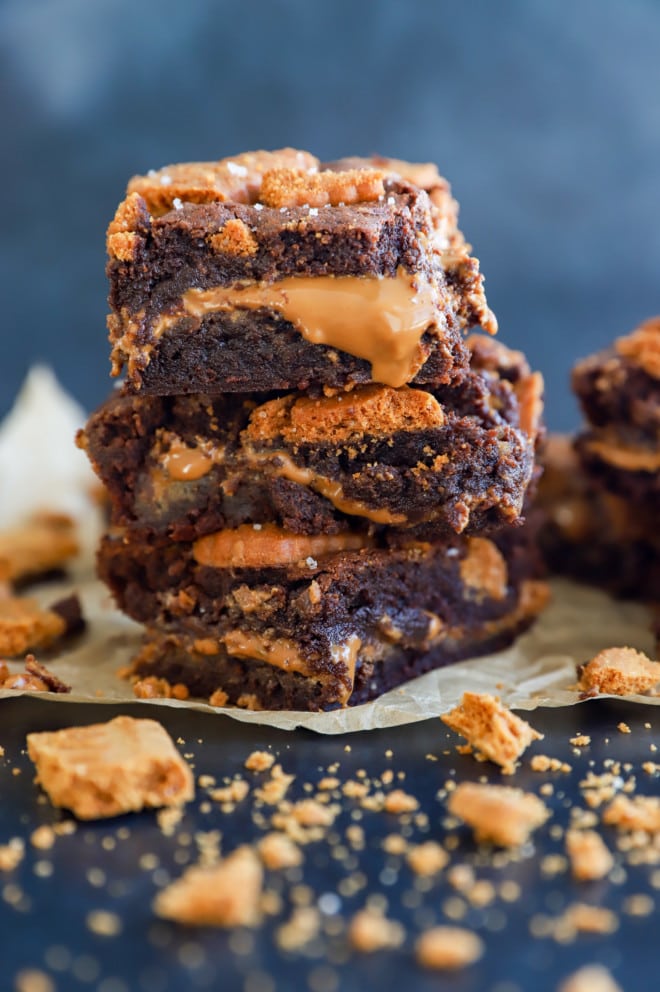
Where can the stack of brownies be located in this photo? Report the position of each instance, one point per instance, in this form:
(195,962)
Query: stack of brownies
(601,490)
(315,480)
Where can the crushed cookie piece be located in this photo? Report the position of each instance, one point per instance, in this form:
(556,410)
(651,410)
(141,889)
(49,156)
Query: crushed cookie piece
(395,844)
(43,837)
(25,625)
(589,856)
(275,788)
(12,854)
(309,813)
(103,923)
(33,980)
(297,187)
(42,544)
(544,763)
(591,978)
(224,895)
(328,783)
(152,687)
(235,792)
(399,801)
(235,238)
(370,930)
(623,728)
(259,761)
(581,740)
(491,728)
(427,858)
(279,851)
(218,698)
(619,672)
(302,927)
(448,948)
(498,813)
(636,813)
(355,790)
(111,768)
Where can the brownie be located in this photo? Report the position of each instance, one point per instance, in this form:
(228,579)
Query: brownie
(269,272)
(280,622)
(447,460)
(625,467)
(619,387)
(593,534)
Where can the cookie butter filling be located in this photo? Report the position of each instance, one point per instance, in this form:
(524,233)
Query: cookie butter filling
(627,457)
(269,546)
(379,319)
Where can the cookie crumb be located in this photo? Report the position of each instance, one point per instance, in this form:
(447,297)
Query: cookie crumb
(619,672)
(589,856)
(259,761)
(497,813)
(370,931)
(448,948)
(591,978)
(224,895)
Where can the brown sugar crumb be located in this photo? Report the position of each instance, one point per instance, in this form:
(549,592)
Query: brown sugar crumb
(111,768)
(636,813)
(623,728)
(218,698)
(589,856)
(619,672)
(279,851)
(544,763)
(224,895)
(42,544)
(275,788)
(369,931)
(25,625)
(11,854)
(427,858)
(492,729)
(235,238)
(582,740)
(591,978)
(302,927)
(259,761)
(497,813)
(399,801)
(298,188)
(448,948)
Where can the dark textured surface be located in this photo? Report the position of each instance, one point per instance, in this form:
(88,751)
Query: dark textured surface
(151,956)
(615,392)
(544,119)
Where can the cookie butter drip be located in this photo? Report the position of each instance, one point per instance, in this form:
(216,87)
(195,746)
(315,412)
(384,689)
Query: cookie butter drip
(184,464)
(279,652)
(379,319)
(269,547)
(286,468)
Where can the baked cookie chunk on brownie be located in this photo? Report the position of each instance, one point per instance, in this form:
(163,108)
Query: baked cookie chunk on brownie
(619,390)
(269,271)
(447,460)
(265,619)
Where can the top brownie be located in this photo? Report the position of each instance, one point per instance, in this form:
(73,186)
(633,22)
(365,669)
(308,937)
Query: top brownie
(619,387)
(270,271)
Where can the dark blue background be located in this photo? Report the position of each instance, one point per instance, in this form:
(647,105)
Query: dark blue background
(545,116)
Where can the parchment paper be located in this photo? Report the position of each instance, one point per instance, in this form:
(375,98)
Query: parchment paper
(538,670)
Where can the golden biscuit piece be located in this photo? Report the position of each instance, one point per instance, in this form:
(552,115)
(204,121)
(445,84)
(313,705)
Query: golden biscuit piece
(111,768)
(619,672)
(492,730)
(226,894)
(498,814)
(44,543)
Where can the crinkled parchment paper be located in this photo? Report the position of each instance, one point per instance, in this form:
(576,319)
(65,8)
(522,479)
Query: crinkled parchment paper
(538,670)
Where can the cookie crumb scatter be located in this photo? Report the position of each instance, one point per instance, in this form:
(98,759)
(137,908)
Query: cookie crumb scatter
(448,948)
(500,814)
(493,731)
(544,763)
(589,856)
(370,930)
